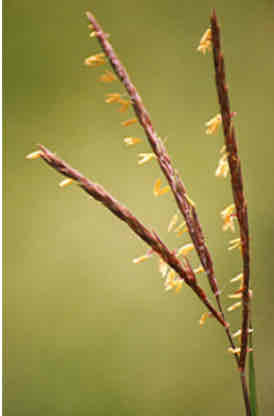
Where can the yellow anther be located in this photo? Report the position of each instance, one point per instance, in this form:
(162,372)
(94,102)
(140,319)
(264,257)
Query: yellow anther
(145,157)
(107,77)
(131,141)
(129,122)
(34,155)
(235,244)
(213,124)
(234,350)
(95,60)
(141,258)
(205,42)
(234,306)
(223,167)
(66,182)
(237,278)
(228,215)
(184,250)
(157,190)
(173,222)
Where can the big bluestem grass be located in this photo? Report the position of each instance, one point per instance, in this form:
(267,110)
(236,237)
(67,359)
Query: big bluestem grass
(175,265)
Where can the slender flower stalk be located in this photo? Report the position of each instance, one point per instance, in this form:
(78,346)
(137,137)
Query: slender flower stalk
(238,195)
(150,237)
(236,177)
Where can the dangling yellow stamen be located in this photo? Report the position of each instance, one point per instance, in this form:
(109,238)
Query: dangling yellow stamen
(192,203)
(129,122)
(213,124)
(169,282)
(117,98)
(163,267)
(145,157)
(223,149)
(124,105)
(113,98)
(131,141)
(234,350)
(239,333)
(34,155)
(173,282)
(184,250)
(234,306)
(223,167)
(173,222)
(179,285)
(95,60)
(93,33)
(203,318)
(66,182)
(235,244)
(157,190)
(205,42)
(107,77)
(141,258)
(235,296)
(239,276)
(181,229)
(199,269)
(228,215)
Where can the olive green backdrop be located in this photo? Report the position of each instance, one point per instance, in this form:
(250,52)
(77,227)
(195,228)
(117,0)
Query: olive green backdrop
(87,332)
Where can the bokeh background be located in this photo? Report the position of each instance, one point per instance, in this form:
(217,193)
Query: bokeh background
(87,332)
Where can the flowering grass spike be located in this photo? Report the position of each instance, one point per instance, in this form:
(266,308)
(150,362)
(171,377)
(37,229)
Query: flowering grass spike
(174,265)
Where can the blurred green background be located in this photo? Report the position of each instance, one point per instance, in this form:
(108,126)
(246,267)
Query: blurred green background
(87,332)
